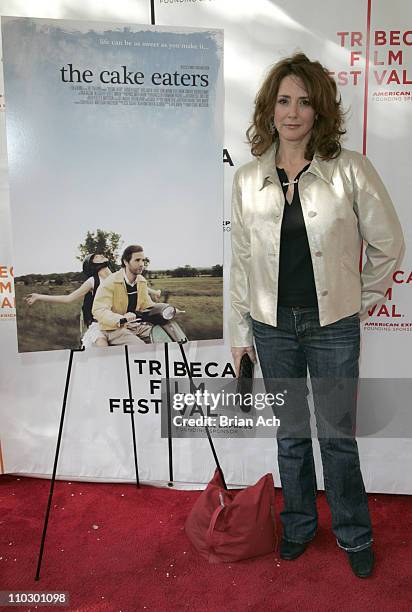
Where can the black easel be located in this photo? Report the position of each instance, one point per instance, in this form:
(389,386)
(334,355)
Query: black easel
(129,384)
(152,13)
(209,437)
(59,438)
(56,458)
(169,416)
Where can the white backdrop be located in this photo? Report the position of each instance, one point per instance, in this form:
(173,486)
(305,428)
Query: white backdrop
(97,444)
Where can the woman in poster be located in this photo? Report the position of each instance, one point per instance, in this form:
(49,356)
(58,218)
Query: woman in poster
(301,210)
(95,268)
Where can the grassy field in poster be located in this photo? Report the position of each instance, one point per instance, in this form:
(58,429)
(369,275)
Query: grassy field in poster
(49,326)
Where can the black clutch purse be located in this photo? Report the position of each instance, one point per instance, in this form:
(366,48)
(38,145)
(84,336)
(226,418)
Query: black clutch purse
(245,381)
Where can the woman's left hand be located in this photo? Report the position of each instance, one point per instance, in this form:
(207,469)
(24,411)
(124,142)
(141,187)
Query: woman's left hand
(237,354)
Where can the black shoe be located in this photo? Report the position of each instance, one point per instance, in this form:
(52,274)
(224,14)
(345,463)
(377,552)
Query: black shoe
(362,562)
(291,550)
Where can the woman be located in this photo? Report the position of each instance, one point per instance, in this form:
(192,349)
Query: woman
(95,268)
(300,212)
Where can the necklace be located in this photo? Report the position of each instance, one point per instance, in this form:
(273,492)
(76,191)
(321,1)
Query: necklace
(291,182)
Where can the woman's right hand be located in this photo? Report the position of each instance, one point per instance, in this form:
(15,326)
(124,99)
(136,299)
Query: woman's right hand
(237,354)
(31,298)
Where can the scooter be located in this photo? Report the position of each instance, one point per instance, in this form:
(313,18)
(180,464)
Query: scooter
(164,329)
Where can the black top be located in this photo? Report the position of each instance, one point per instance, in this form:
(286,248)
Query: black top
(132,295)
(88,302)
(296,280)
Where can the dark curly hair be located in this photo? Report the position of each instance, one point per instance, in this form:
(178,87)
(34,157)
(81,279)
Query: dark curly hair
(323,97)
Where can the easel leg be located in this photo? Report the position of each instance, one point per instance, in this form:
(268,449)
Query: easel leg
(152,13)
(169,416)
(126,352)
(212,446)
(56,458)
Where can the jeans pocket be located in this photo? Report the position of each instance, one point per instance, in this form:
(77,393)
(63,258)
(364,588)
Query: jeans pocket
(350,320)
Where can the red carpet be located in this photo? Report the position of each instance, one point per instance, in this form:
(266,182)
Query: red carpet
(117,548)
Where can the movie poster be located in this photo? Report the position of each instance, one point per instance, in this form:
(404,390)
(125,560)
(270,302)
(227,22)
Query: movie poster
(114,141)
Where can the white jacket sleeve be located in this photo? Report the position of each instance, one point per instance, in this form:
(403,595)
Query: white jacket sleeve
(240,322)
(381,230)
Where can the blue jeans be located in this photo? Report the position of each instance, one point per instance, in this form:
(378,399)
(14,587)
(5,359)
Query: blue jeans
(331,353)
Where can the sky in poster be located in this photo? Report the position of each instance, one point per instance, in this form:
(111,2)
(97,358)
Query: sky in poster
(150,173)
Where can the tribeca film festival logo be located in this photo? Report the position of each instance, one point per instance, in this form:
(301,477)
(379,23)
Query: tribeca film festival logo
(198,409)
(7,299)
(390,319)
(387,55)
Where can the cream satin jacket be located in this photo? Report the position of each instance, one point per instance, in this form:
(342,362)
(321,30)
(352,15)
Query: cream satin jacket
(343,202)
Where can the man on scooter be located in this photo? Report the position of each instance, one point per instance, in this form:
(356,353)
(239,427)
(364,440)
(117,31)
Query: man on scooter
(120,296)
